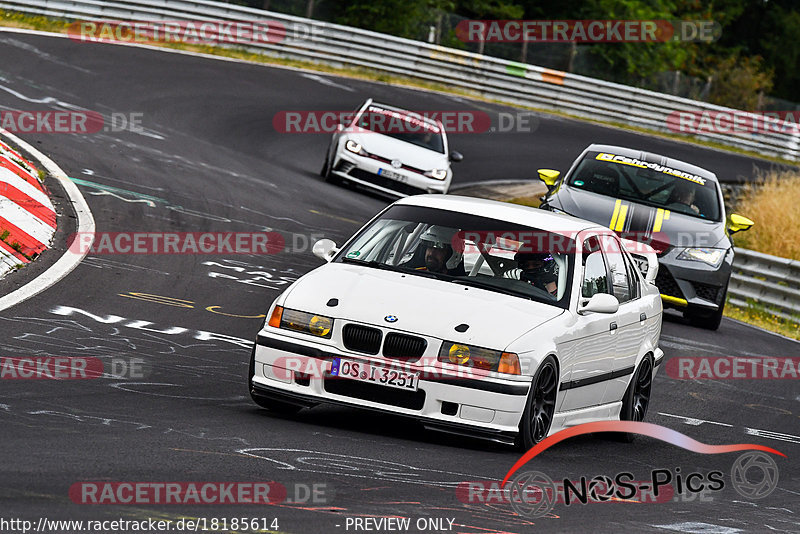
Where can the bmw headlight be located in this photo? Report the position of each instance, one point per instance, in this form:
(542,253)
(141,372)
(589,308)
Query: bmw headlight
(479,358)
(307,323)
(437,174)
(355,148)
(711,256)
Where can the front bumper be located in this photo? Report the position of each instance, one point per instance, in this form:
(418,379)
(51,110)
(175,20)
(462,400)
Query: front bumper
(691,284)
(484,407)
(363,170)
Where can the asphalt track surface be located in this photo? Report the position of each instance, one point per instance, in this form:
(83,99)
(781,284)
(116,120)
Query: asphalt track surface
(211,160)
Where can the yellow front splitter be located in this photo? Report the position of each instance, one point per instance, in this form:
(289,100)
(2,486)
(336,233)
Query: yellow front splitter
(675,301)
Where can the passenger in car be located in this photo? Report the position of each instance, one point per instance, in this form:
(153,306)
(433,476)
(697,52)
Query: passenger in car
(536,268)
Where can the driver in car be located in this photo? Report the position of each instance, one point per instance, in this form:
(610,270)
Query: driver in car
(536,268)
(439,254)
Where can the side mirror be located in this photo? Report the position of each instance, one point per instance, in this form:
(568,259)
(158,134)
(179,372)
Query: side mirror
(599,303)
(549,177)
(455,157)
(325,249)
(737,223)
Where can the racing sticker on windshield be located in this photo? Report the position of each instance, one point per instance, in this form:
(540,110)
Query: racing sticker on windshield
(633,162)
(381,119)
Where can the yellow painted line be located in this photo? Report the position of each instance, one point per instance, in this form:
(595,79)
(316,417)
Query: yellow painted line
(666,215)
(614,215)
(623,212)
(659,220)
(674,300)
(158,299)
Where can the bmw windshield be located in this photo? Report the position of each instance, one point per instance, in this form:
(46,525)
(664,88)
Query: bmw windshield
(459,248)
(647,183)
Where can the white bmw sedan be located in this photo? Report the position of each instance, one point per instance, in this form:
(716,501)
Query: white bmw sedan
(473,316)
(392,151)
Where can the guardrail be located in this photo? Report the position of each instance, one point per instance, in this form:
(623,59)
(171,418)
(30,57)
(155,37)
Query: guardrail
(496,79)
(771,281)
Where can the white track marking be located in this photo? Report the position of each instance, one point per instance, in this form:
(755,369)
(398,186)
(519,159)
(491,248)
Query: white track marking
(328,82)
(69,260)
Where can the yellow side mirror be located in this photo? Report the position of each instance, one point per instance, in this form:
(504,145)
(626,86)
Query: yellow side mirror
(738,223)
(549,176)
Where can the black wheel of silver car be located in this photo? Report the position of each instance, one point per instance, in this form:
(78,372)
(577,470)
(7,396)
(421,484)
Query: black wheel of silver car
(325,171)
(637,396)
(538,415)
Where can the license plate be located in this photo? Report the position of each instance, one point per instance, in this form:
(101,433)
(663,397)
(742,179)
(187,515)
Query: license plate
(384,375)
(393,175)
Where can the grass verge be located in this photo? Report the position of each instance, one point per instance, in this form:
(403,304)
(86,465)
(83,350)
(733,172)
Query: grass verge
(773,202)
(761,317)
(533,201)
(33,22)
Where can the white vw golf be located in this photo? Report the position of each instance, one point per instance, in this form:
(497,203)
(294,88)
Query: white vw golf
(473,316)
(392,151)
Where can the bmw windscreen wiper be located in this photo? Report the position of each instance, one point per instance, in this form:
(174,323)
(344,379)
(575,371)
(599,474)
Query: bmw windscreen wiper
(371,263)
(491,287)
(384,266)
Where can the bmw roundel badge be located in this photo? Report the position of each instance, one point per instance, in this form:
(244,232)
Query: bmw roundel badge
(390,318)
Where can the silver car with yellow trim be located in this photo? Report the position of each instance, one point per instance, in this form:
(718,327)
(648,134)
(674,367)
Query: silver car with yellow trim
(675,207)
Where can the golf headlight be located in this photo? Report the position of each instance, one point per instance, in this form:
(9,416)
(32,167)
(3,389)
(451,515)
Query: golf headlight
(355,148)
(307,323)
(437,174)
(711,256)
(479,358)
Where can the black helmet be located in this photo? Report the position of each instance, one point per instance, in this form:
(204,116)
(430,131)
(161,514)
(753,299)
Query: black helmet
(521,257)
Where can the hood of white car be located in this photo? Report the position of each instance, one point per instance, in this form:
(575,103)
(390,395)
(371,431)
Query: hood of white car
(409,154)
(422,305)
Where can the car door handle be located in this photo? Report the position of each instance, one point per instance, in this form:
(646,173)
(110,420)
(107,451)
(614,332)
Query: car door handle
(642,316)
(613,326)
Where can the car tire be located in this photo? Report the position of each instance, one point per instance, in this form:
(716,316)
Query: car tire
(326,173)
(637,397)
(540,406)
(707,320)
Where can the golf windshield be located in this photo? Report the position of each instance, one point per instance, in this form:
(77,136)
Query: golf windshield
(490,254)
(405,126)
(648,183)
